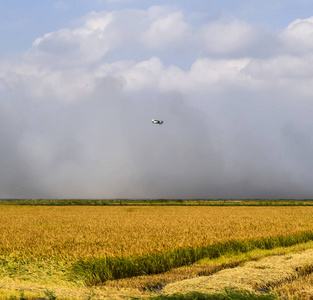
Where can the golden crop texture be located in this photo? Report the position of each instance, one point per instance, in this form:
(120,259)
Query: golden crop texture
(86,231)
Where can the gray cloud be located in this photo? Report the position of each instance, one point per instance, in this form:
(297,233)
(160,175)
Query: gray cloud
(233,128)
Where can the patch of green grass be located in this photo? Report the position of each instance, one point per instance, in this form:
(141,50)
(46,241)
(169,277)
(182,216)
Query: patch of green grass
(38,271)
(226,295)
(98,270)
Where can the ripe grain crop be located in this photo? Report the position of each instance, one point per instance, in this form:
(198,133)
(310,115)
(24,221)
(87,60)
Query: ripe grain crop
(90,245)
(82,232)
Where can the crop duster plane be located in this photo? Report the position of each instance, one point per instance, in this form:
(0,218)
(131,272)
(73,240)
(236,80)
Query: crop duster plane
(154,121)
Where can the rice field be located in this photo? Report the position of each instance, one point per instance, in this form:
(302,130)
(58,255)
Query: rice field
(82,232)
(100,243)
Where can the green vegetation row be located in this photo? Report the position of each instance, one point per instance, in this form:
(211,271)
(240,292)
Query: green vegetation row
(226,295)
(158,202)
(98,270)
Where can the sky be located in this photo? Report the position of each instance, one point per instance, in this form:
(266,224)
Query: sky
(81,80)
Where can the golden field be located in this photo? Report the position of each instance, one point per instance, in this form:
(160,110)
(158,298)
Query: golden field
(86,231)
(39,245)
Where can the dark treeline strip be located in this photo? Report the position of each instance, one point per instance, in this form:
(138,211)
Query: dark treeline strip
(157,202)
(98,270)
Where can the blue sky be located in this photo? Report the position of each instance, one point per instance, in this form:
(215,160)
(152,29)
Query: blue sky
(80,82)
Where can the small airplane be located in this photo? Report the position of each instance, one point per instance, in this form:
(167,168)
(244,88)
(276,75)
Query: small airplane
(157,122)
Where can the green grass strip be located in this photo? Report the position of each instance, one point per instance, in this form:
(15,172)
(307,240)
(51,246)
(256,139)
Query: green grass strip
(98,270)
(226,295)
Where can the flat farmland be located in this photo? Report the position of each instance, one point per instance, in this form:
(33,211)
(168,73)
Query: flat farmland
(82,232)
(110,252)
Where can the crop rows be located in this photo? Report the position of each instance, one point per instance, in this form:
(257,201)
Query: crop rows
(82,232)
(111,242)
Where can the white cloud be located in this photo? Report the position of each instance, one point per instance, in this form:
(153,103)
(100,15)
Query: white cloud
(144,75)
(160,31)
(98,21)
(168,31)
(79,46)
(76,110)
(298,36)
(282,67)
(227,36)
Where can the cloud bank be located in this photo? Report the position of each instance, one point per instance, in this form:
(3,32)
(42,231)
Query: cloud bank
(236,100)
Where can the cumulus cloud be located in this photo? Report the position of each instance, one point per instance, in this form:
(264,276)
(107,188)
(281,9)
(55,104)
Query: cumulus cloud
(168,30)
(298,36)
(75,112)
(233,38)
(76,47)
(161,31)
(113,36)
(224,36)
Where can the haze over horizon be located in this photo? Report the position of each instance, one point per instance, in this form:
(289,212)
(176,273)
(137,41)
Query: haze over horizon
(81,80)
